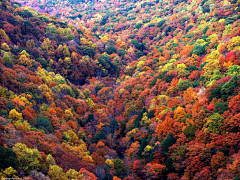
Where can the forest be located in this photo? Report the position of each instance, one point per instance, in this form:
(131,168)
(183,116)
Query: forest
(120,89)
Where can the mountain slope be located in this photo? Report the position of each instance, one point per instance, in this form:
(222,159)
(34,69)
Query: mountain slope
(137,89)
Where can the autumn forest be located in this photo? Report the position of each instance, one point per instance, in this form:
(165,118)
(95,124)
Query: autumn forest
(120,89)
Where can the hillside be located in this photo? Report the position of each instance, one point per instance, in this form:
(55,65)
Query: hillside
(120,90)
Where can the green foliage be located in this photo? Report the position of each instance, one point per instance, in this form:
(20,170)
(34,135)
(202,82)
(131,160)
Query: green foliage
(29,159)
(122,52)
(139,46)
(191,68)
(7,61)
(24,14)
(95,28)
(113,125)
(188,28)
(90,118)
(88,51)
(227,89)
(8,158)
(167,142)
(138,25)
(99,136)
(167,30)
(139,54)
(198,50)
(153,83)
(119,167)
(214,123)
(189,131)
(160,23)
(143,144)
(44,124)
(184,84)
(139,118)
(168,79)
(43,62)
(161,75)
(111,50)
(220,107)
(150,114)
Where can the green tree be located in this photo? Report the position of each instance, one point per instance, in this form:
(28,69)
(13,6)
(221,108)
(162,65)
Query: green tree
(7,158)
(167,142)
(220,107)
(189,131)
(119,167)
(111,50)
(214,123)
(114,125)
(99,136)
(44,124)
(228,88)
(7,61)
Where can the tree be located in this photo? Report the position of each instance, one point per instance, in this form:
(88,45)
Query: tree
(55,172)
(99,136)
(15,115)
(114,125)
(44,124)
(167,142)
(7,61)
(189,131)
(218,161)
(220,107)
(183,84)
(9,173)
(111,50)
(29,159)
(214,123)
(8,158)
(119,167)
(50,160)
(179,113)
(154,171)
(24,59)
(131,153)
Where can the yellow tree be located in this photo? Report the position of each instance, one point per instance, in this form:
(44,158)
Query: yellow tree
(3,34)
(5,47)
(8,173)
(46,45)
(179,113)
(15,115)
(212,65)
(24,59)
(28,158)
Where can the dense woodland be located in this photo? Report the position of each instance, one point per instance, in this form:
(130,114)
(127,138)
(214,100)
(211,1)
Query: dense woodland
(127,90)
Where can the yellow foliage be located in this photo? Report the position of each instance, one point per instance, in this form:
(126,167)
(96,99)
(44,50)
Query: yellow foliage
(179,113)
(5,47)
(234,43)
(46,45)
(24,59)
(8,173)
(50,160)
(73,137)
(28,158)
(90,103)
(3,34)
(109,163)
(15,115)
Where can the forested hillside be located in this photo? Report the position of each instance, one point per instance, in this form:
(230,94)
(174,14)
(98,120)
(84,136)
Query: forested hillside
(120,90)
